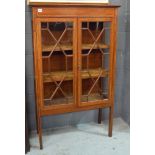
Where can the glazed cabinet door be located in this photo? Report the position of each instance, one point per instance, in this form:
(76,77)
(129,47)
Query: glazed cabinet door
(94,60)
(57,45)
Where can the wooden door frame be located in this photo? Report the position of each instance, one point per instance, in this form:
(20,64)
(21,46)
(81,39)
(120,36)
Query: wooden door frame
(39,62)
(111,63)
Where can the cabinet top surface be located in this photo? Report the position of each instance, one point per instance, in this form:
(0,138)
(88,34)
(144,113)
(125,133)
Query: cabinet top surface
(92,4)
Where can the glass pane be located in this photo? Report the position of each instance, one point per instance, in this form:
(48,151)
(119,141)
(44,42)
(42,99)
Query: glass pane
(95,61)
(57,61)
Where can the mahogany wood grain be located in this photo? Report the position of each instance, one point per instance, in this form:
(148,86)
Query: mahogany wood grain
(111,108)
(54,110)
(76,14)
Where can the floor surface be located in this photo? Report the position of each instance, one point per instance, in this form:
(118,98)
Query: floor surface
(84,139)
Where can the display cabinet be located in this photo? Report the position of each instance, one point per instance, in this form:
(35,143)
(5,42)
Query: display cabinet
(74,58)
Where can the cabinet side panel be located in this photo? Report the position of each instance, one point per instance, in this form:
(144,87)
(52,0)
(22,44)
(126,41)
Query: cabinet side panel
(35,56)
(114,54)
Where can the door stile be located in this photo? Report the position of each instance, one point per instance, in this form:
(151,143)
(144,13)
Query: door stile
(79,61)
(75,59)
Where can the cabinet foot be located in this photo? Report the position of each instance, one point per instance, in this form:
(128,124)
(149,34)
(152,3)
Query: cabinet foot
(40,141)
(99,116)
(40,133)
(110,121)
(37,123)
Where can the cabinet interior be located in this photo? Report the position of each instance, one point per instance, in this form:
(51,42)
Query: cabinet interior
(58,61)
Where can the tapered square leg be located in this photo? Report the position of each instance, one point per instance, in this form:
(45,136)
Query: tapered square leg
(37,121)
(110,121)
(40,142)
(40,132)
(99,116)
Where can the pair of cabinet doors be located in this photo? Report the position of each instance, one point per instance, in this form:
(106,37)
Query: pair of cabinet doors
(74,61)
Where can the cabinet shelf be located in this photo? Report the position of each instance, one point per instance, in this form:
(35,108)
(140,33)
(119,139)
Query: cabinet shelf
(93,97)
(61,100)
(46,48)
(84,98)
(58,75)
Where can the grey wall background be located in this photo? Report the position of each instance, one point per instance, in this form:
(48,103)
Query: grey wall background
(122,84)
(125,109)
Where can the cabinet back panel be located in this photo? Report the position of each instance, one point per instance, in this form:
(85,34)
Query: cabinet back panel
(57,63)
